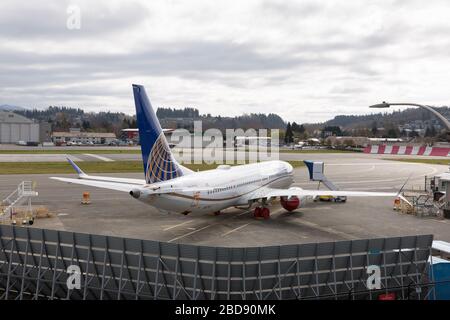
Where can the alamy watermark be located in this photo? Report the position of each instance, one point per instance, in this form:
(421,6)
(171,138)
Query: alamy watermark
(230,146)
(374,278)
(74,279)
(73,21)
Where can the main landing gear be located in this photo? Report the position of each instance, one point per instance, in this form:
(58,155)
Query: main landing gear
(261,212)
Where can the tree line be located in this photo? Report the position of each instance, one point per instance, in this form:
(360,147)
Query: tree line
(63,118)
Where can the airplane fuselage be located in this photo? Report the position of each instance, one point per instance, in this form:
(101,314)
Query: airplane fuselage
(215,190)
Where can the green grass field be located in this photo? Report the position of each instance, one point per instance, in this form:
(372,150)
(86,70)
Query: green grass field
(317,151)
(134,151)
(427,161)
(69,151)
(92,167)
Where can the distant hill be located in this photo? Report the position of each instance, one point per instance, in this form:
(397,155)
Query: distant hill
(245,121)
(62,118)
(7,107)
(381,119)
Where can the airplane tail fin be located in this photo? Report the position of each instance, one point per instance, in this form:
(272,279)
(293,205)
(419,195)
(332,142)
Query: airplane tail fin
(159,163)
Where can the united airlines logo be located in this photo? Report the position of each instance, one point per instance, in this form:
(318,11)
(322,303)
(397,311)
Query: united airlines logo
(160,163)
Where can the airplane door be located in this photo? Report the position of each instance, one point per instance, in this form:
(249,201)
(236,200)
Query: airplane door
(196,199)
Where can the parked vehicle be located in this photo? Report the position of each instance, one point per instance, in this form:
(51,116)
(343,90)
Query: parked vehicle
(21,143)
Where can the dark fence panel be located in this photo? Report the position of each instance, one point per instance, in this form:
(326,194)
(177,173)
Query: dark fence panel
(34,262)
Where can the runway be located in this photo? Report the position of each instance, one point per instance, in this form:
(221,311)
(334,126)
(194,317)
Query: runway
(190,155)
(116,213)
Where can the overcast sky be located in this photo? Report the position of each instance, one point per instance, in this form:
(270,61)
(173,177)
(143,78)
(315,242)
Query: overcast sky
(305,60)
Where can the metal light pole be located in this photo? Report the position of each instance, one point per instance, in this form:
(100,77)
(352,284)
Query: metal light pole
(437,114)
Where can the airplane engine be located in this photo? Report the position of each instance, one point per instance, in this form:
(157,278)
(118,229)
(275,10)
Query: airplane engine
(135,193)
(290,204)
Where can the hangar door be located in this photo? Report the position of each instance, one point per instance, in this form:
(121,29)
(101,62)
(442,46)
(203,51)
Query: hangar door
(5,135)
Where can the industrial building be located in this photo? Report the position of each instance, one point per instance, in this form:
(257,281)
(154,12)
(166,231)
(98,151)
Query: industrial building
(76,136)
(132,134)
(15,128)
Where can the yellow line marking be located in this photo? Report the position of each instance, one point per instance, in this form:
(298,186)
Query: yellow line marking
(326,229)
(189,233)
(235,229)
(178,225)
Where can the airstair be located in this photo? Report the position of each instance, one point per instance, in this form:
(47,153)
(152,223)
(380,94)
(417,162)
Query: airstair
(316,169)
(23,193)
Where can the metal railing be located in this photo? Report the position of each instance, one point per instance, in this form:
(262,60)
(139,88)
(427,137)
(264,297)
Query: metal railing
(34,265)
(24,191)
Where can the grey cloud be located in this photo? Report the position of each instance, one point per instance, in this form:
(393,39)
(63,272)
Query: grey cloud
(226,64)
(338,66)
(292,9)
(181,59)
(376,40)
(30,75)
(20,20)
(348,90)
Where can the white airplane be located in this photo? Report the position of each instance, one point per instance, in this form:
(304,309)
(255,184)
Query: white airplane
(173,188)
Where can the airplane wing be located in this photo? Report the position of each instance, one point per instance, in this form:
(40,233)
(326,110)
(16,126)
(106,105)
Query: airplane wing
(118,184)
(82,175)
(99,184)
(299,192)
(124,187)
(111,183)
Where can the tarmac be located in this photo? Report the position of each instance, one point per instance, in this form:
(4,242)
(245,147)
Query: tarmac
(117,213)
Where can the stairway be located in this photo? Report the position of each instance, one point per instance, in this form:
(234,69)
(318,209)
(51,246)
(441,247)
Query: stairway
(23,192)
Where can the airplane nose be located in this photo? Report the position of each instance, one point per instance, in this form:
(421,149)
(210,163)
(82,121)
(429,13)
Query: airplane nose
(135,193)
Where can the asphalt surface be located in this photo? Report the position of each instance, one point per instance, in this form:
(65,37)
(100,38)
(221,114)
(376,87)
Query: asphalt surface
(116,213)
(187,155)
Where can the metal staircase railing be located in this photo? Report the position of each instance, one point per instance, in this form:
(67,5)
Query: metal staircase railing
(23,192)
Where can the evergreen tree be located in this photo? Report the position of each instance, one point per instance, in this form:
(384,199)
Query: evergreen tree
(295,127)
(85,125)
(301,130)
(374,128)
(392,133)
(289,136)
(433,131)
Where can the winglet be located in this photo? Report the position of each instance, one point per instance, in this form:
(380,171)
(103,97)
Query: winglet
(76,168)
(403,186)
(399,193)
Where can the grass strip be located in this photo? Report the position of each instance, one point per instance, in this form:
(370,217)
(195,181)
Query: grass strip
(137,151)
(93,167)
(69,151)
(426,161)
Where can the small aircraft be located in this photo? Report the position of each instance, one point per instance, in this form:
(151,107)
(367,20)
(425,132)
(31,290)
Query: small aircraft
(173,188)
